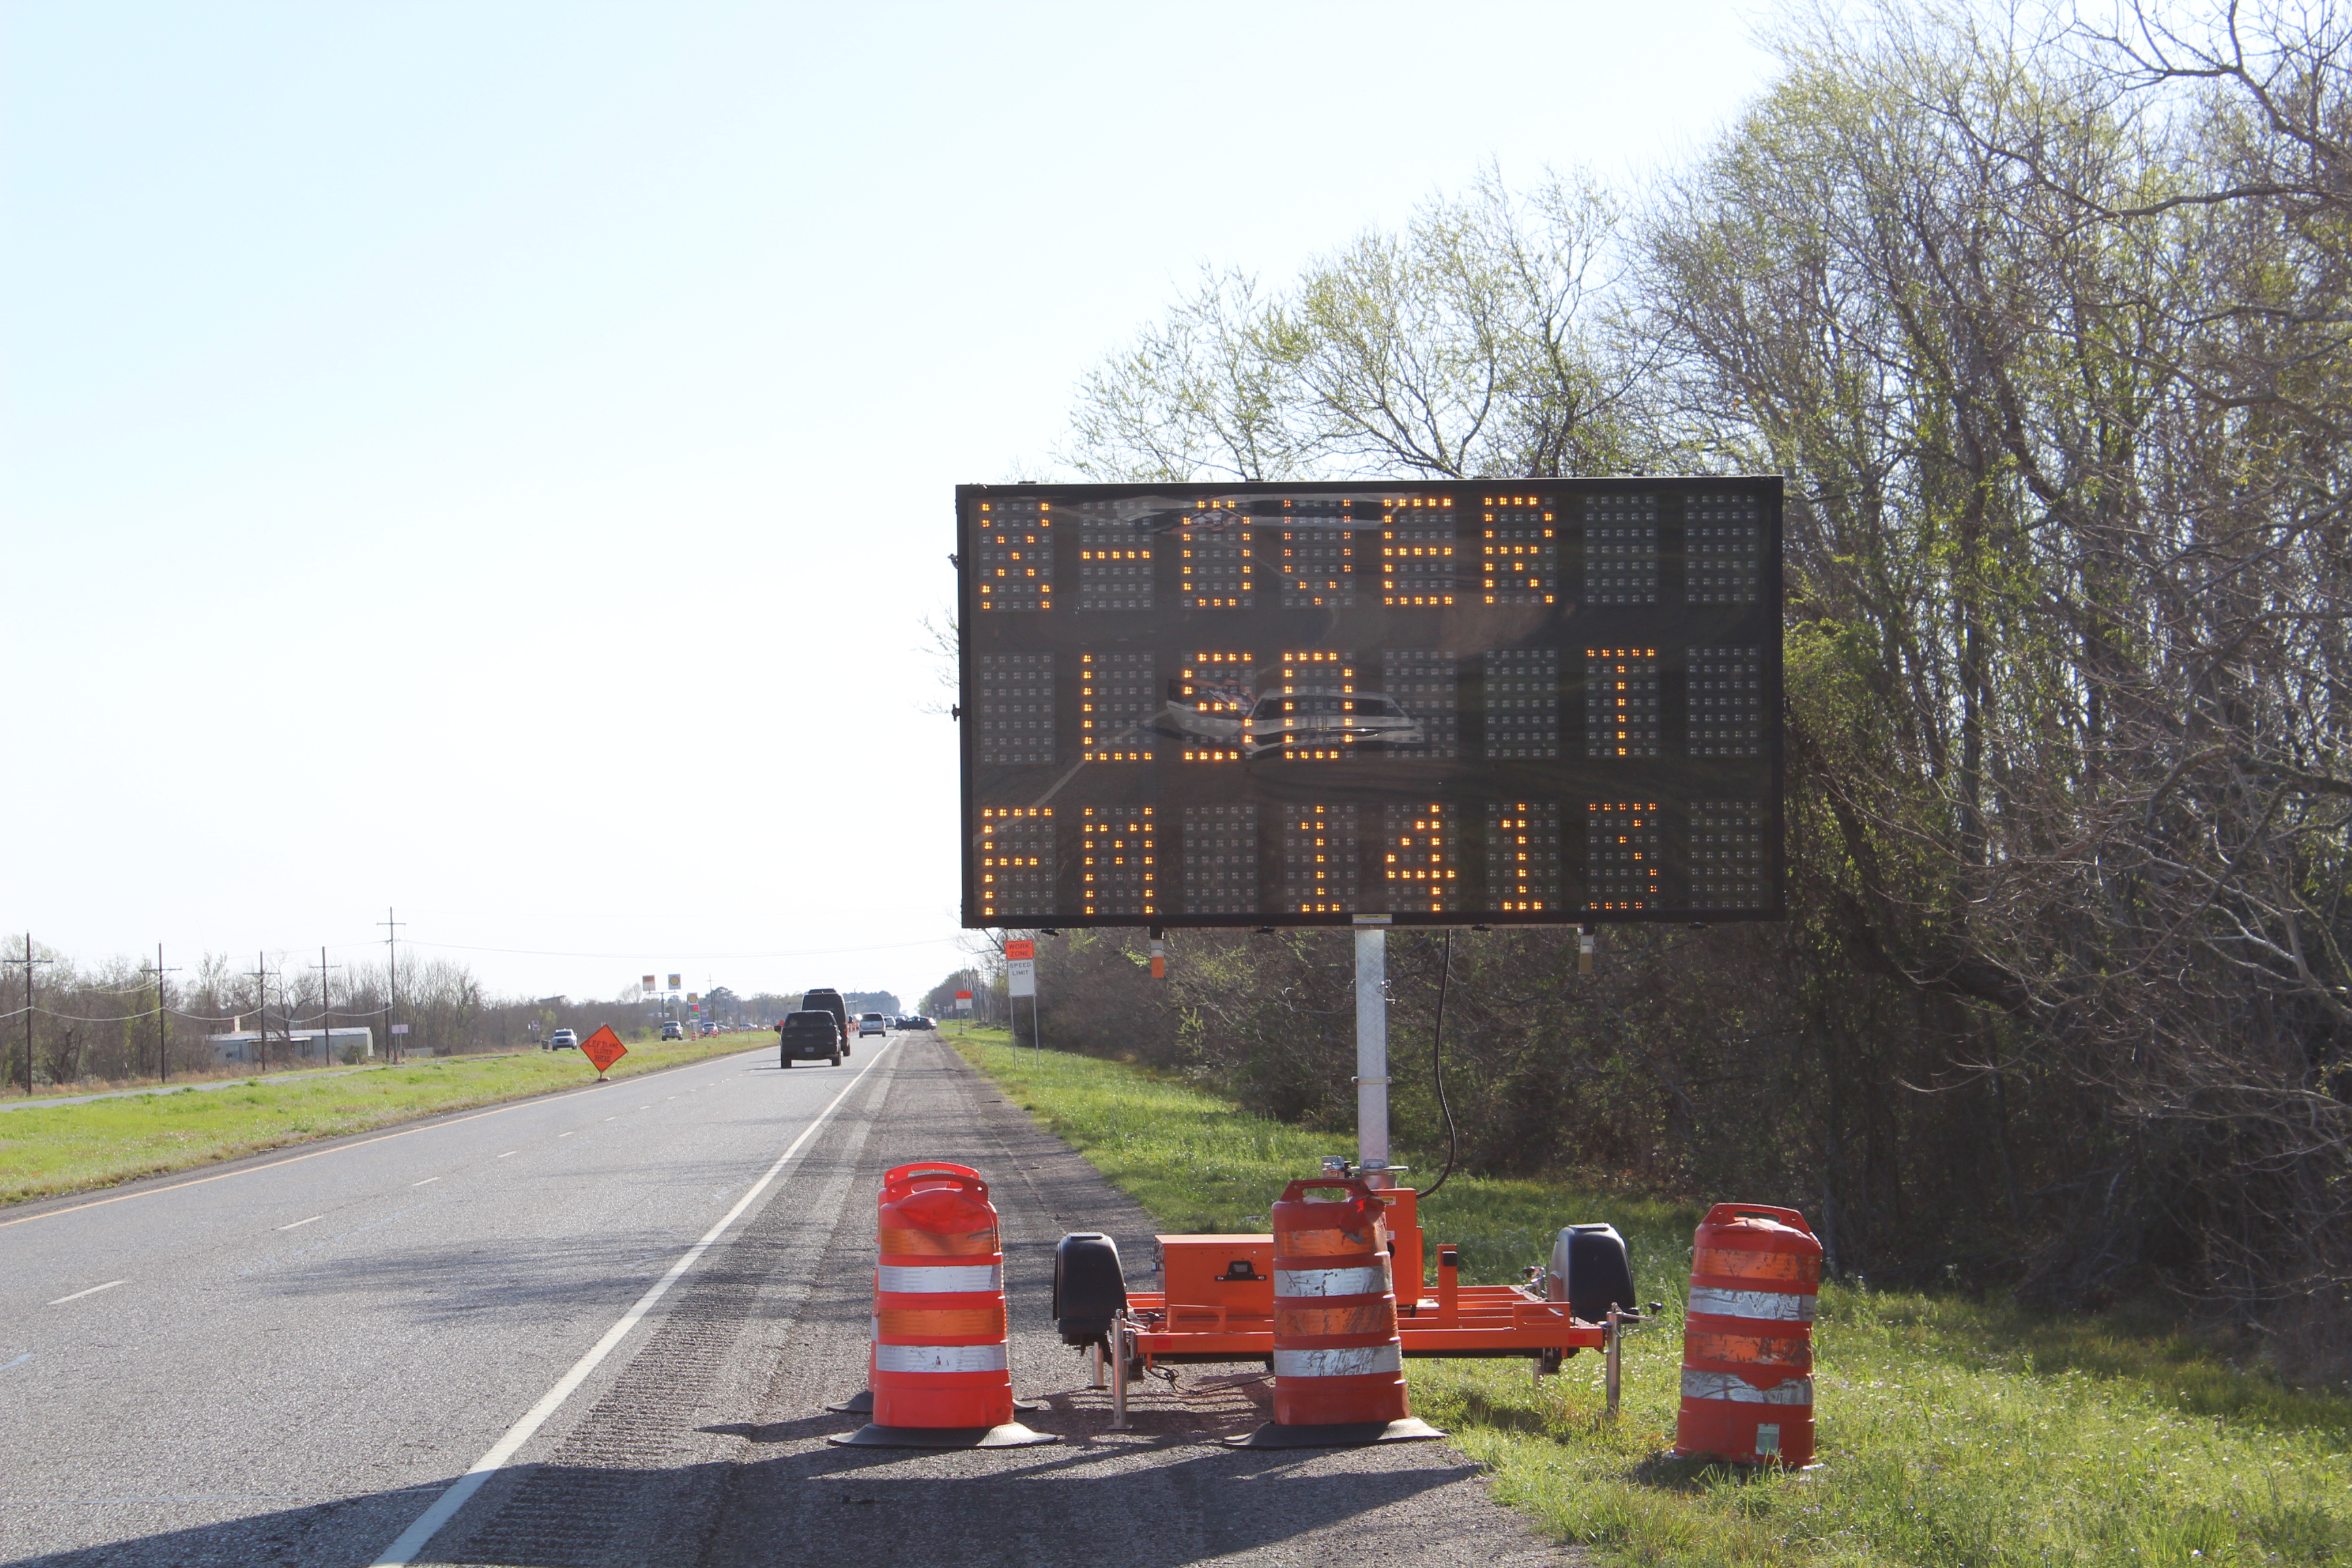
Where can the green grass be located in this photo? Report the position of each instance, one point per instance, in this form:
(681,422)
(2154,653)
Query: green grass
(48,1150)
(1953,1433)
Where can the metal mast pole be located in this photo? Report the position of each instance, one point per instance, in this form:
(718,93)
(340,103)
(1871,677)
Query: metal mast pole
(261,1024)
(28,960)
(391,967)
(163,1024)
(1372,1048)
(326,1016)
(163,1055)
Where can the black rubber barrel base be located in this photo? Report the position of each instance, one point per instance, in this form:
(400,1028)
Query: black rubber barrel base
(862,1404)
(1012,1435)
(1340,1435)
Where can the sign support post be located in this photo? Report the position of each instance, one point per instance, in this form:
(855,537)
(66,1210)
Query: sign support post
(1021,980)
(1372,1049)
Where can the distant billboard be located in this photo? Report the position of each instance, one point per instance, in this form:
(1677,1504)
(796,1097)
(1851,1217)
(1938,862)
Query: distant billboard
(1526,701)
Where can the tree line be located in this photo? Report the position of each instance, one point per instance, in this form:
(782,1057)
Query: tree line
(118,1021)
(2044,322)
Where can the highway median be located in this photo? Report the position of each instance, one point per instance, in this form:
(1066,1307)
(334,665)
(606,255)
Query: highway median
(50,1151)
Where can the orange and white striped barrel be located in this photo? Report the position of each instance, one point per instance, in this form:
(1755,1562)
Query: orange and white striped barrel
(1338,1360)
(1748,1340)
(939,1351)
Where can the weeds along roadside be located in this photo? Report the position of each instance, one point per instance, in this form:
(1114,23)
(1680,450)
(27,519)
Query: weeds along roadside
(1953,1431)
(47,1150)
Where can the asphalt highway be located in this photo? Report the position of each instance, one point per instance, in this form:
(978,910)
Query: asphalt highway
(599,1329)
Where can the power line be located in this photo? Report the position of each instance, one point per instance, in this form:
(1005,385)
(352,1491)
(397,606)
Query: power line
(163,1057)
(326,1012)
(28,960)
(392,969)
(706,957)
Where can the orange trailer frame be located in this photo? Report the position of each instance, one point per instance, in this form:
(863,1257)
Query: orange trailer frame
(1217,1304)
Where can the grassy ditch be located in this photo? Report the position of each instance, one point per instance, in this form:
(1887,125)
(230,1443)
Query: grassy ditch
(1952,1432)
(48,1150)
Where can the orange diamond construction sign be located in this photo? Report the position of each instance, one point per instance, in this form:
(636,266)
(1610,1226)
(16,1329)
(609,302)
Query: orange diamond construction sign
(604,1047)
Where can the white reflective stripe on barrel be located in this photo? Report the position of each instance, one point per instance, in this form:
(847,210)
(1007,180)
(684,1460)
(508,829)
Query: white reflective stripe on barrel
(1740,1391)
(1354,1361)
(940,1358)
(1780,1305)
(1372,1281)
(910,1280)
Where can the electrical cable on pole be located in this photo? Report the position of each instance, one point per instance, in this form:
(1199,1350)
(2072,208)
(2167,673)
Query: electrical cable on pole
(28,960)
(163,1013)
(326,1013)
(391,965)
(261,1023)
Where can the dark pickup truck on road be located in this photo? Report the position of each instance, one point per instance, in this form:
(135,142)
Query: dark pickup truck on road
(809,1036)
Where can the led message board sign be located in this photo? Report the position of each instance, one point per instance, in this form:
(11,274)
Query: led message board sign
(1527,701)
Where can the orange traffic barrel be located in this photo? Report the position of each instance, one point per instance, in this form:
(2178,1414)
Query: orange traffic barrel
(939,1371)
(1338,1364)
(1748,1340)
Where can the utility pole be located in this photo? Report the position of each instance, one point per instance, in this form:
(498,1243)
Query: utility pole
(28,960)
(261,1027)
(162,1059)
(391,966)
(326,1015)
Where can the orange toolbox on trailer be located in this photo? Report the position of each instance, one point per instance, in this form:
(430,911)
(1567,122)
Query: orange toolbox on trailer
(1217,1302)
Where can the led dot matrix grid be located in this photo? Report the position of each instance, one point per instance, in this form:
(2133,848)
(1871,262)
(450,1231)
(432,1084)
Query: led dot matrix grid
(1449,676)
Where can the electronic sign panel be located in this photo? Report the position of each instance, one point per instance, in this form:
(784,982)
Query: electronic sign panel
(1508,702)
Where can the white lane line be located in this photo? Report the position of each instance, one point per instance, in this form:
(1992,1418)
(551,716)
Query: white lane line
(13,1365)
(509,1153)
(567,1134)
(416,1538)
(612,1119)
(301,1223)
(524,1104)
(92,1291)
(428,1181)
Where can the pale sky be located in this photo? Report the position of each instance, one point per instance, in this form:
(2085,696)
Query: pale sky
(492,460)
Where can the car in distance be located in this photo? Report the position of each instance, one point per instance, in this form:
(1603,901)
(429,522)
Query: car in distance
(920,1022)
(672,1029)
(811,1034)
(872,1024)
(563,1040)
(827,999)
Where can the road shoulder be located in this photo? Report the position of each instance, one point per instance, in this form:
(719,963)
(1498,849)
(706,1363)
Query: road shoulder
(1165,1494)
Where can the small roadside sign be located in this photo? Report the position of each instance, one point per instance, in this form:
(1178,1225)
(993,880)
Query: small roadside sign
(1022,948)
(673,983)
(1020,976)
(604,1047)
(400,1029)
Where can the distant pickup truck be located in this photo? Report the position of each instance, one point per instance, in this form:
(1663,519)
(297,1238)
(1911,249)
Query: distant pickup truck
(808,1036)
